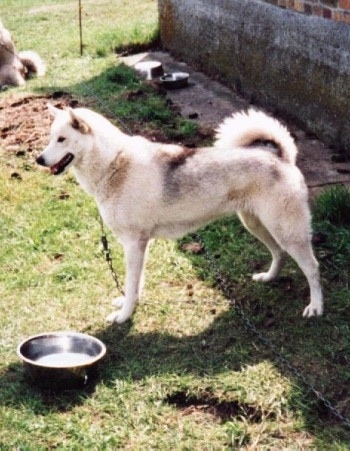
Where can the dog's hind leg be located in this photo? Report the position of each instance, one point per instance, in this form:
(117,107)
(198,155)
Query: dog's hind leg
(256,228)
(303,254)
(135,255)
(294,237)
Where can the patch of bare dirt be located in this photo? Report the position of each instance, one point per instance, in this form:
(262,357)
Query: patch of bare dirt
(25,121)
(222,410)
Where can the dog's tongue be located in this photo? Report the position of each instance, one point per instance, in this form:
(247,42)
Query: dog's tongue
(55,168)
(61,165)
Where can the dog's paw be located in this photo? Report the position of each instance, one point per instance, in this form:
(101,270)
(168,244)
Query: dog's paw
(118,317)
(112,317)
(118,302)
(262,277)
(312,310)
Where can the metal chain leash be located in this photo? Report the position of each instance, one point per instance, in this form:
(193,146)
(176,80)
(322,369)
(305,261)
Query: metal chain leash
(266,342)
(227,292)
(250,327)
(108,256)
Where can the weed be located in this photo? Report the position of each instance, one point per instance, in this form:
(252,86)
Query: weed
(184,373)
(333,205)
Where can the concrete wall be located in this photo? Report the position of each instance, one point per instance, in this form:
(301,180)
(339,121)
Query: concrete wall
(297,65)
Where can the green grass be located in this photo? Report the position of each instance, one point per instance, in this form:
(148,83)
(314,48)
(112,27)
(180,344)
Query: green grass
(333,205)
(185,373)
(98,78)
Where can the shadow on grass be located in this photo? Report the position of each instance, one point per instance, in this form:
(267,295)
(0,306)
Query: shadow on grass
(317,347)
(311,352)
(18,391)
(224,346)
(135,356)
(227,346)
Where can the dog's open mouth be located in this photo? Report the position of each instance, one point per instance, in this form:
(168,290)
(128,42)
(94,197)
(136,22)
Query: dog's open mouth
(59,167)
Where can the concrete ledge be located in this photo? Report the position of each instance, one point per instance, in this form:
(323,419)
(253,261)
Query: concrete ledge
(294,64)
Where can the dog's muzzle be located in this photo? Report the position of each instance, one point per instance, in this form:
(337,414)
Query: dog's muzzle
(59,167)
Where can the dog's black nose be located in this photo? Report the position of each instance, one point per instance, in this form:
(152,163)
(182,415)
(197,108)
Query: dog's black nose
(41,160)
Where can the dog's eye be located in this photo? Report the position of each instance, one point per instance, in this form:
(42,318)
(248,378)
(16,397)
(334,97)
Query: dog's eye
(61,139)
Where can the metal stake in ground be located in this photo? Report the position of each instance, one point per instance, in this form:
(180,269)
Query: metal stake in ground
(80,28)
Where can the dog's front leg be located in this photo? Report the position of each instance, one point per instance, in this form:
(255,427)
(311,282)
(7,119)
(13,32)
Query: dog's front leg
(135,251)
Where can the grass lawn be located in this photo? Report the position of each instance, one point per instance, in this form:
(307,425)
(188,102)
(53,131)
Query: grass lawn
(185,373)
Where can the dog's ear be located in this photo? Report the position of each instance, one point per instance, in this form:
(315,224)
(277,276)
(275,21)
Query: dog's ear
(53,110)
(78,123)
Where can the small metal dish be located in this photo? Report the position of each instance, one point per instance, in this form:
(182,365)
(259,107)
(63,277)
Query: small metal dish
(175,80)
(149,69)
(61,359)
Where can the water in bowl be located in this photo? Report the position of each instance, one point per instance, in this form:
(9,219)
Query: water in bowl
(64,359)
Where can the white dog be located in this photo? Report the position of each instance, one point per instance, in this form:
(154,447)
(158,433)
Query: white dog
(148,190)
(15,67)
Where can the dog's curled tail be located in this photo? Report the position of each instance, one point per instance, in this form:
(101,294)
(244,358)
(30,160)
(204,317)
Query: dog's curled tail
(244,128)
(32,63)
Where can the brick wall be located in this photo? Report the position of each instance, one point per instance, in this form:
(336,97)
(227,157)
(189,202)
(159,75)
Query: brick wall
(293,63)
(338,10)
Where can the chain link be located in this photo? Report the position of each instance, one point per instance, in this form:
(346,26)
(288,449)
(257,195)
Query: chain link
(225,287)
(250,327)
(228,293)
(108,257)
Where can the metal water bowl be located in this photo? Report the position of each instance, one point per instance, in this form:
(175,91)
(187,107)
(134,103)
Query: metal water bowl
(61,359)
(175,80)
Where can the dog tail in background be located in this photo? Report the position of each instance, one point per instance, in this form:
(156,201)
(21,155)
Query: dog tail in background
(246,128)
(32,63)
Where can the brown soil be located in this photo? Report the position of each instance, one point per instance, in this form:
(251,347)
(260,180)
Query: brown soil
(25,121)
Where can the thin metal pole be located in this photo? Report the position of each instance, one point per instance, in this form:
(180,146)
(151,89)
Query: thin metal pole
(80,29)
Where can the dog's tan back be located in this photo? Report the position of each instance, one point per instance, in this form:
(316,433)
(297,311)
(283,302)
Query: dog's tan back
(146,190)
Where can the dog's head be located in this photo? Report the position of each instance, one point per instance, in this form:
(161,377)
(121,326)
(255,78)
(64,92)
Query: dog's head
(70,138)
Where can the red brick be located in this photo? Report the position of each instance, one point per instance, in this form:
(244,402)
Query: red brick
(341,16)
(326,13)
(338,10)
(317,11)
(332,3)
(299,5)
(338,16)
(344,4)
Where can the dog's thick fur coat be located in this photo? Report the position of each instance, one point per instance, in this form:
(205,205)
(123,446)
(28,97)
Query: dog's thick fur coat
(15,67)
(147,190)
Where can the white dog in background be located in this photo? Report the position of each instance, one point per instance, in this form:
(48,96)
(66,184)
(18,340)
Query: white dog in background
(15,67)
(148,190)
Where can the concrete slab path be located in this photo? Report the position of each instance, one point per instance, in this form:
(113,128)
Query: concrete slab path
(207,102)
